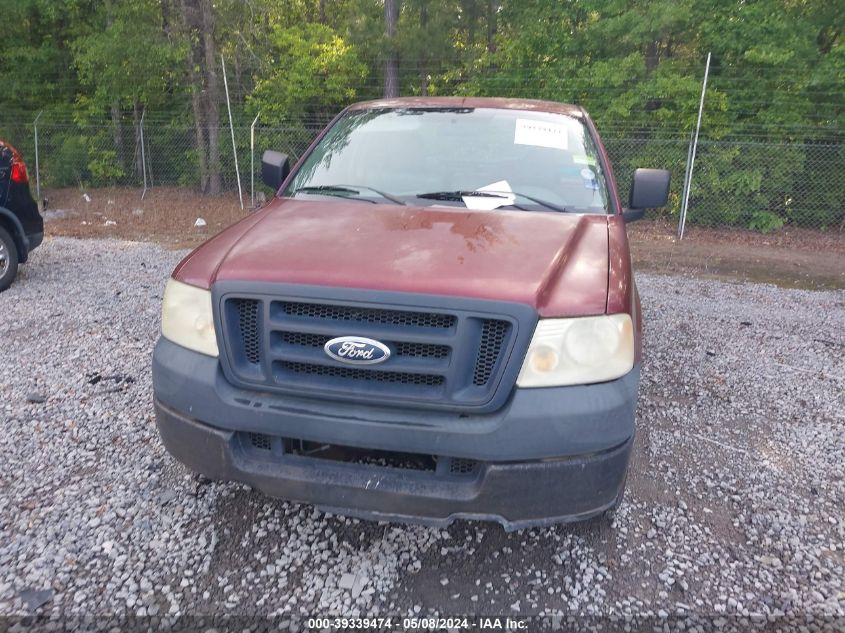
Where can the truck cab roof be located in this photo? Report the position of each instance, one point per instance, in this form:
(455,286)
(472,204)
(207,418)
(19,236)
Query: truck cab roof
(501,103)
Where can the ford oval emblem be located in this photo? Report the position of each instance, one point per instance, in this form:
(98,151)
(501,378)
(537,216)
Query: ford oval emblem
(357,350)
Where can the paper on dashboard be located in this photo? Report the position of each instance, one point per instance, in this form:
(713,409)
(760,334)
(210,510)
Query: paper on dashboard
(484,203)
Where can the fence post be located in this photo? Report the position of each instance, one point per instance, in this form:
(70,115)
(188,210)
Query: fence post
(682,221)
(232,130)
(143,155)
(148,162)
(252,160)
(37,170)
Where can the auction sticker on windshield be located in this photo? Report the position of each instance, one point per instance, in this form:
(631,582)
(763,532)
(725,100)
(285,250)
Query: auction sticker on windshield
(541,134)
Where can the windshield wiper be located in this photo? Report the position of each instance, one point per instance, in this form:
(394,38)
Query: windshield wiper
(340,190)
(460,194)
(331,190)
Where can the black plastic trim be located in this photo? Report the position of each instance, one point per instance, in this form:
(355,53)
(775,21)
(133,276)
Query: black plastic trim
(517,495)
(523,320)
(21,240)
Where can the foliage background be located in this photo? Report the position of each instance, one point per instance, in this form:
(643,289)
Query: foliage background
(773,134)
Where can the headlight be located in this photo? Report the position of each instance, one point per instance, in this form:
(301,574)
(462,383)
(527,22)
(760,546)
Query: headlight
(187,319)
(578,351)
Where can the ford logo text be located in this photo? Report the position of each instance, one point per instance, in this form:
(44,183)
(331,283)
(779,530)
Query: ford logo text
(357,350)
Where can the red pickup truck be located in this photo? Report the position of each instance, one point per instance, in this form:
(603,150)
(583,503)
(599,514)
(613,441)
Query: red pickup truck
(434,318)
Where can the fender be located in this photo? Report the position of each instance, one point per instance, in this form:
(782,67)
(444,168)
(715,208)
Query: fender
(21,240)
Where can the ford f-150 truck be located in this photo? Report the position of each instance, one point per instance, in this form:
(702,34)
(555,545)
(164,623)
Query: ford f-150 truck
(434,318)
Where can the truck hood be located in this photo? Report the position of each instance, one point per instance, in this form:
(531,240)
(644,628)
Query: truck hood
(555,262)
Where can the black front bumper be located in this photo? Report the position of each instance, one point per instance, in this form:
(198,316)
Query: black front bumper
(517,495)
(549,455)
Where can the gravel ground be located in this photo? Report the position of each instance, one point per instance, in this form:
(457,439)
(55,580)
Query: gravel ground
(734,511)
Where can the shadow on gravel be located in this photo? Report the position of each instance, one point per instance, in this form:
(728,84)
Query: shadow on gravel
(285,553)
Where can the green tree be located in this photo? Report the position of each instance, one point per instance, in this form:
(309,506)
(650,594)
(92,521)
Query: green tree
(126,61)
(315,73)
(777,75)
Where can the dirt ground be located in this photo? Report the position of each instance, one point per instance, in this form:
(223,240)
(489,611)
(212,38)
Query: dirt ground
(789,257)
(792,258)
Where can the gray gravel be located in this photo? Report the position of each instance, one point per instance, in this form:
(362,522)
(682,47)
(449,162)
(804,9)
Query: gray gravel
(734,508)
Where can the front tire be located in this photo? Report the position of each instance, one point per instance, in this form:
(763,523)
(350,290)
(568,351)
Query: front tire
(8,259)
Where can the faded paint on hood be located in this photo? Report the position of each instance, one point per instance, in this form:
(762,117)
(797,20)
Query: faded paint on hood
(555,262)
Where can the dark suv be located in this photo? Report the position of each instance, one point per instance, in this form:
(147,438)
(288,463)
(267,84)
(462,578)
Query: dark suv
(21,226)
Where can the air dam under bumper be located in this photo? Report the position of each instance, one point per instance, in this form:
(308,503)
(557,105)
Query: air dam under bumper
(543,458)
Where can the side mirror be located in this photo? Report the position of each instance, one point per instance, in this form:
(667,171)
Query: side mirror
(275,167)
(649,190)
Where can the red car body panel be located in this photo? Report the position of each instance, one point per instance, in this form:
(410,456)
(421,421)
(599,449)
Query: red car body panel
(622,295)
(562,265)
(200,266)
(554,262)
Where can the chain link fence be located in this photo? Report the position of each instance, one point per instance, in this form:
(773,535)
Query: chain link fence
(751,184)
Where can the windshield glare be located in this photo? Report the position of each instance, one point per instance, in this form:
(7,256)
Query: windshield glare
(411,151)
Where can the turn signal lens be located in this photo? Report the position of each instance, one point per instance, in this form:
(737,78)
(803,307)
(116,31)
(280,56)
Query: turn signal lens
(543,359)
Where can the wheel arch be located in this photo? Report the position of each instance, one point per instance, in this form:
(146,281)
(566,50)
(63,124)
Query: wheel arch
(12,224)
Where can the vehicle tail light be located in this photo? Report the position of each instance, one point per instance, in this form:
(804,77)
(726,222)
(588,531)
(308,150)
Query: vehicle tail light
(19,174)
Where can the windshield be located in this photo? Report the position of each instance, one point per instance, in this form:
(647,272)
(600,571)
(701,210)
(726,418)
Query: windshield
(482,158)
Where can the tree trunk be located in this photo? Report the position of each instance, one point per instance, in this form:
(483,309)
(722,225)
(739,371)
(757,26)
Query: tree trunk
(652,55)
(136,119)
(198,25)
(423,58)
(492,24)
(199,116)
(391,63)
(199,132)
(322,11)
(471,8)
(237,97)
(212,96)
(193,61)
(117,133)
